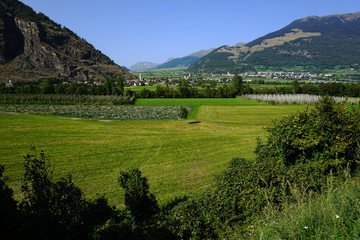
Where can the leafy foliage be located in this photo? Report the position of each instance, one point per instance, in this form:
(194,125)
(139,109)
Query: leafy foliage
(141,203)
(183,112)
(9,216)
(235,198)
(326,138)
(23,11)
(237,84)
(301,152)
(50,207)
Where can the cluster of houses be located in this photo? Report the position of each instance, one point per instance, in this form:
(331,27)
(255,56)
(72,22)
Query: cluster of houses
(281,75)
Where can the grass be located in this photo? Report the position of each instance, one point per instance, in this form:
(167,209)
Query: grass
(139,88)
(333,215)
(177,158)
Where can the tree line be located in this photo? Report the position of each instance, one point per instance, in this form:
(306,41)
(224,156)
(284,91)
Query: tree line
(334,89)
(182,90)
(302,153)
(55,86)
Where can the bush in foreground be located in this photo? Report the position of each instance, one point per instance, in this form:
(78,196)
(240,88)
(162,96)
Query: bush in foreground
(300,154)
(333,215)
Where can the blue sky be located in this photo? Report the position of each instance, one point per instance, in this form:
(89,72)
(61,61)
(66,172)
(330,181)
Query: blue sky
(130,31)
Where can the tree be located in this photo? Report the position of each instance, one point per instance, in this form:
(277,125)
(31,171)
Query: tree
(109,85)
(183,113)
(296,88)
(184,90)
(10,216)
(141,203)
(120,85)
(51,209)
(237,83)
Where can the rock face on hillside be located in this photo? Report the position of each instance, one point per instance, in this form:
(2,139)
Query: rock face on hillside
(32,47)
(312,42)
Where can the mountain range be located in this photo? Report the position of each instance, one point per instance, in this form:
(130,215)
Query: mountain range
(172,62)
(312,42)
(32,46)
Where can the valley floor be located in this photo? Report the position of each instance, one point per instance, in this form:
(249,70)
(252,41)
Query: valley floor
(177,158)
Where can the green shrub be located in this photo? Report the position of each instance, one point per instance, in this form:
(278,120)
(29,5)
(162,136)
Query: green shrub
(300,154)
(309,145)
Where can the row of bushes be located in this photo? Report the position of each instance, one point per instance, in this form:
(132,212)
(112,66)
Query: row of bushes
(65,99)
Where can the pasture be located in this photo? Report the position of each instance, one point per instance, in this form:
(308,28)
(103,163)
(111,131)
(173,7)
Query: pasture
(177,158)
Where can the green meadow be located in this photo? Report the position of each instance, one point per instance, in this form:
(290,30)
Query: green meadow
(178,158)
(139,88)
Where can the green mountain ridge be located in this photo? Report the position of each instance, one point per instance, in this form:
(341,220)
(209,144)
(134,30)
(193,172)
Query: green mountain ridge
(311,42)
(32,46)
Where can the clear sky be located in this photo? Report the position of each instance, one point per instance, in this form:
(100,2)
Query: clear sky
(130,31)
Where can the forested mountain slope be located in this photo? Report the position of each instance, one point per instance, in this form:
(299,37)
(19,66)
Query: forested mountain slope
(319,42)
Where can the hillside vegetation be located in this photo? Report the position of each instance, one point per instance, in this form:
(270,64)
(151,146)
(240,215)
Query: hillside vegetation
(312,42)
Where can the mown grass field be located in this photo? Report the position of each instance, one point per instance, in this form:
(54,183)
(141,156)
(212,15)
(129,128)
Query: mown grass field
(177,158)
(139,88)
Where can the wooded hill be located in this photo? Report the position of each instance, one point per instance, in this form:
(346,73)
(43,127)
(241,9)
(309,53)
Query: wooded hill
(312,42)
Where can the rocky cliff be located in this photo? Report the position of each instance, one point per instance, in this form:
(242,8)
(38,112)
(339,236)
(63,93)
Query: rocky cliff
(32,47)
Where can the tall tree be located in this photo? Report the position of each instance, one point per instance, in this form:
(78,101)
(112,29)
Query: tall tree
(51,209)
(138,199)
(238,85)
(120,86)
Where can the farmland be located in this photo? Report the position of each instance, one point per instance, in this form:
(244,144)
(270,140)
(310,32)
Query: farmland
(100,112)
(177,158)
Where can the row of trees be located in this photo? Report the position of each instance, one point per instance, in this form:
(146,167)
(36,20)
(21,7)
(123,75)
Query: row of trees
(300,154)
(53,86)
(183,90)
(323,89)
(116,87)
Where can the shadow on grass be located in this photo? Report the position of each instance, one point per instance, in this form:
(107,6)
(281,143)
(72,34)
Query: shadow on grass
(194,122)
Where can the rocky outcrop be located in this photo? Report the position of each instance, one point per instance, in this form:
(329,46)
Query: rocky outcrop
(39,53)
(40,48)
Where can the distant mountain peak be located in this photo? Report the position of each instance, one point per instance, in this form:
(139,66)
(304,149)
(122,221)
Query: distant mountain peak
(181,62)
(143,66)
